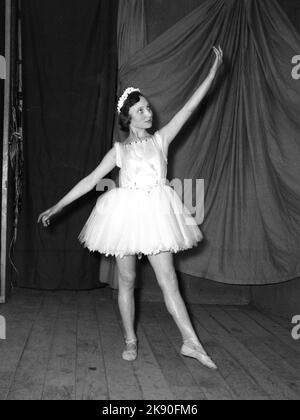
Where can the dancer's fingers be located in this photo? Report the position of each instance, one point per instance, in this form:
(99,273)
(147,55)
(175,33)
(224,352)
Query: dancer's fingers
(40,218)
(220,53)
(44,218)
(216,51)
(46,221)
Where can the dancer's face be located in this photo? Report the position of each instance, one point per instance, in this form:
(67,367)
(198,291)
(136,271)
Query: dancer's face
(141,114)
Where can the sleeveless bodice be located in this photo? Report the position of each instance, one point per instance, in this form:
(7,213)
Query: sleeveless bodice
(143,163)
(144,215)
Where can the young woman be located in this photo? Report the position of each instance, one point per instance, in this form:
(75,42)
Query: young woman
(143,215)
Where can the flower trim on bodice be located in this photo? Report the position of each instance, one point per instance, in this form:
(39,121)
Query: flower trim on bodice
(138,141)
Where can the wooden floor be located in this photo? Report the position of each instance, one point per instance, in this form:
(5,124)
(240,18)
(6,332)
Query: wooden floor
(67,345)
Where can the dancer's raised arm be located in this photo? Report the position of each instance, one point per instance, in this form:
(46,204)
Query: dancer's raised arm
(84,186)
(170,130)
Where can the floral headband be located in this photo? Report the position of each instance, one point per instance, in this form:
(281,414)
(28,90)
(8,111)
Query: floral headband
(125,95)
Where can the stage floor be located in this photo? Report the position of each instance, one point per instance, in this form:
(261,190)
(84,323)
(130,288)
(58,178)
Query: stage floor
(67,346)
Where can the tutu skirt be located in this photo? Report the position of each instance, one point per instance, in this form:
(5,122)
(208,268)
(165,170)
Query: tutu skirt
(127,221)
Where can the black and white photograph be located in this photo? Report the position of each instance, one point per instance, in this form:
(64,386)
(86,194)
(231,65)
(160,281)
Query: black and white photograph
(150,207)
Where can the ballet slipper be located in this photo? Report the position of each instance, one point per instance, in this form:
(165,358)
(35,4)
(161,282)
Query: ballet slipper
(130,352)
(196,351)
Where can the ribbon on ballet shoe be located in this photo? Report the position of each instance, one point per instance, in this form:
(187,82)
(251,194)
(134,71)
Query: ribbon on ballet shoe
(130,352)
(196,351)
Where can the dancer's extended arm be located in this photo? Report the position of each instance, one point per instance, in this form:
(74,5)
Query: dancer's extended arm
(84,186)
(170,130)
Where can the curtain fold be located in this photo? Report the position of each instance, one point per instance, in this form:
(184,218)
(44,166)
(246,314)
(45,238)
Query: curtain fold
(132,32)
(243,140)
(132,37)
(70,68)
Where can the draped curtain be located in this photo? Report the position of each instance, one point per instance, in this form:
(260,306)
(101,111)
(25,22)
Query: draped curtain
(70,68)
(243,140)
(132,37)
(132,31)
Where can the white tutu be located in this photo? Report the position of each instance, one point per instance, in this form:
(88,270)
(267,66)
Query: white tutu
(139,219)
(127,221)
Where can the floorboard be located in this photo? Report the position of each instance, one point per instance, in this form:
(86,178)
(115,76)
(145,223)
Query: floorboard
(68,345)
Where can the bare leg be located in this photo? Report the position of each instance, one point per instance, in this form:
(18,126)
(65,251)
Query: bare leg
(126,278)
(167,279)
(164,269)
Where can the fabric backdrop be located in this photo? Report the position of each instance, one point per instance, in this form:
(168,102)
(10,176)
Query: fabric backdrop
(132,37)
(70,64)
(243,140)
(132,30)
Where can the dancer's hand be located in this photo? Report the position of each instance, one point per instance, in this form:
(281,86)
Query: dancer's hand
(45,216)
(218,61)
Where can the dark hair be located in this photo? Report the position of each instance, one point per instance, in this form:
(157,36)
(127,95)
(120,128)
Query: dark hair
(124,117)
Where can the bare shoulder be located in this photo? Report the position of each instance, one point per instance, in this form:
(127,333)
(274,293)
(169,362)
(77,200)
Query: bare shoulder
(116,145)
(111,154)
(108,162)
(162,136)
(163,142)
